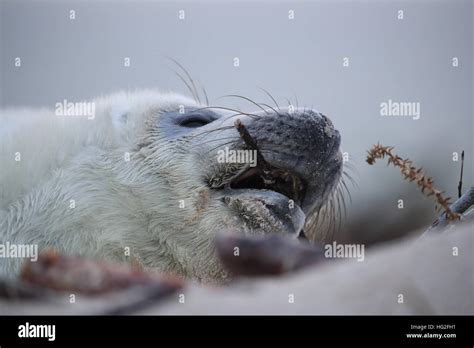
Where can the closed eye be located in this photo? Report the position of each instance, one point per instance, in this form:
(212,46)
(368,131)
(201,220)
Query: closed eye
(195,120)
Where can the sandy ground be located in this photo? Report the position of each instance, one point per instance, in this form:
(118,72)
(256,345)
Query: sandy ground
(409,276)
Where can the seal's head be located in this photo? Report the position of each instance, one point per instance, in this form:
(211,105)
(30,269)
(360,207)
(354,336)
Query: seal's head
(199,176)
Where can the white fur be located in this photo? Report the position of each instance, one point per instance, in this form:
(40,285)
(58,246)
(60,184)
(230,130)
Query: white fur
(118,204)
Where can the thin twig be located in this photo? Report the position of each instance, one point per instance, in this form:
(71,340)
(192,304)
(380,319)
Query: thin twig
(263,166)
(460,178)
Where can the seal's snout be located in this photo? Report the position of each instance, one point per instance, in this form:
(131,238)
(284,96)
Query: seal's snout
(303,141)
(305,145)
(298,165)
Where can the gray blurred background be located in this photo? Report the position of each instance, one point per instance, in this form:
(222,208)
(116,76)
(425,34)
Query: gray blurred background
(403,60)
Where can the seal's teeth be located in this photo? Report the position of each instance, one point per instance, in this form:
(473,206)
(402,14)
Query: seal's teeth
(275,179)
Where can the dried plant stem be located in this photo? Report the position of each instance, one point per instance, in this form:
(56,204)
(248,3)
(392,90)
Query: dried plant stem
(412,173)
(245,135)
(460,177)
(263,166)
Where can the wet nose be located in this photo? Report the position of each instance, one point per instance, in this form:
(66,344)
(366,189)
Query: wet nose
(301,140)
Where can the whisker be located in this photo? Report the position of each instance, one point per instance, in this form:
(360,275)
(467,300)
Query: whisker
(220,145)
(195,97)
(205,95)
(296,99)
(189,77)
(332,225)
(230,109)
(341,210)
(347,190)
(220,128)
(219,139)
(209,131)
(247,99)
(350,165)
(268,106)
(349,177)
(271,97)
(343,199)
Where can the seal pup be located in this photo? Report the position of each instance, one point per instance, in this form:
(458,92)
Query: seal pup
(140,179)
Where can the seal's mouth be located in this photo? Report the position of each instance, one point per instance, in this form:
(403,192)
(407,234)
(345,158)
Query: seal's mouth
(274,179)
(297,169)
(267,199)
